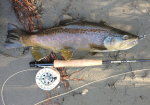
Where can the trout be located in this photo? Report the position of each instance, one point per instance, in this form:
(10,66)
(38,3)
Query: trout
(77,36)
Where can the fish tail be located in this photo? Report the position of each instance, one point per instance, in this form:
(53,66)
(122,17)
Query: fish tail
(13,37)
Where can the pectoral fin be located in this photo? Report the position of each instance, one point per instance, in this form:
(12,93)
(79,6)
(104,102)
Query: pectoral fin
(67,54)
(97,47)
(40,53)
(93,53)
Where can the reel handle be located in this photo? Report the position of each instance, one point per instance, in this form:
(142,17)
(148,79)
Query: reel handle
(77,63)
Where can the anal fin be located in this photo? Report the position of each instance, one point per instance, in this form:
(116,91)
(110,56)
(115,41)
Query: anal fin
(39,52)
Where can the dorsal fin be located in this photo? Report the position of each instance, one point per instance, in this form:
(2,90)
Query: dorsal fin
(66,19)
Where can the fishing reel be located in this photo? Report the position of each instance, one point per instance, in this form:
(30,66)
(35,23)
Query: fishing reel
(47,78)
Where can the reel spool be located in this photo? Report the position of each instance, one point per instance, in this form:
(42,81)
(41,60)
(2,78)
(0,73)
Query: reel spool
(47,78)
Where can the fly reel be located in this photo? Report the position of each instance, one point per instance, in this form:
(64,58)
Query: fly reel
(47,78)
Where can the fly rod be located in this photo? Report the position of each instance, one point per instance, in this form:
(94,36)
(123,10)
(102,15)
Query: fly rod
(48,77)
(81,63)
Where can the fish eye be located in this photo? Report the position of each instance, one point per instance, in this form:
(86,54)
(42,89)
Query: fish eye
(125,37)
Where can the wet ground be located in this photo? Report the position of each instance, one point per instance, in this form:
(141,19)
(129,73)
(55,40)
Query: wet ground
(131,89)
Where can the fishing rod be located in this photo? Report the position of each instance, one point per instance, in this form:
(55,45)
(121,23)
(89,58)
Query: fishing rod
(48,77)
(81,63)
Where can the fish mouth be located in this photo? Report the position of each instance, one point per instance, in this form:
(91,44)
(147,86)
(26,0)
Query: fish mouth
(133,42)
(130,44)
(137,40)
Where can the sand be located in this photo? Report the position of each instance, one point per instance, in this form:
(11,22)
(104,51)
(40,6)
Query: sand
(131,89)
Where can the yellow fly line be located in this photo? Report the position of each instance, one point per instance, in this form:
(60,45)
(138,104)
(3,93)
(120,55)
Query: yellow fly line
(68,91)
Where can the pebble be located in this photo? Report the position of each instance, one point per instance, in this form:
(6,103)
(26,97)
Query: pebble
(84,91)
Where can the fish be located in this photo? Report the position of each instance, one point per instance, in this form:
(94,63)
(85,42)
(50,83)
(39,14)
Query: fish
(70,37)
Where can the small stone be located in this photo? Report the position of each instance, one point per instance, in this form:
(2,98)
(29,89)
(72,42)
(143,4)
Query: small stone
(84,91)
(58,87)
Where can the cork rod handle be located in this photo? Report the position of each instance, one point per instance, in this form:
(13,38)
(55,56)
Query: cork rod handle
(77,63)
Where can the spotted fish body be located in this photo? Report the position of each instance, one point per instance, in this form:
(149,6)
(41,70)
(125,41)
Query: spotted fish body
(79,36)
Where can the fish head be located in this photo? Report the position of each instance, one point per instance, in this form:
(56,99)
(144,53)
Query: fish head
(120,41)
